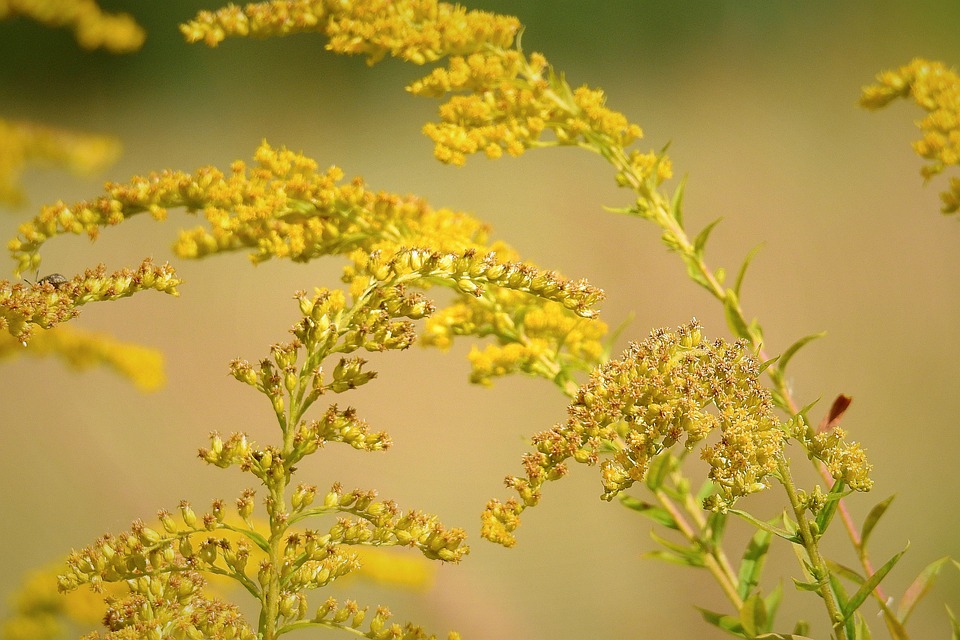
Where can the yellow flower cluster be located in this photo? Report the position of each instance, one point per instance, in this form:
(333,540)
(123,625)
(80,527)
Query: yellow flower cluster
(658,393)
(418,31)
(533,336)
(55,299)
(25,142)
(503,102)
(82,350)
(284,207)
(92,27)
(936,89)
(846,461)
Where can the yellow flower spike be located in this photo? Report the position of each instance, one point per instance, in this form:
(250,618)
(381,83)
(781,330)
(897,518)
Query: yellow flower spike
(82,350)
(936,89)
(25,143)
(92,27)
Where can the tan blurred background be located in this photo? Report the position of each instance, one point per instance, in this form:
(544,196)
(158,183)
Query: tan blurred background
(758,102)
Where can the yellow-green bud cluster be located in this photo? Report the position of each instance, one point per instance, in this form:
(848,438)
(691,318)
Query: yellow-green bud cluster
(337,426)
(382,523)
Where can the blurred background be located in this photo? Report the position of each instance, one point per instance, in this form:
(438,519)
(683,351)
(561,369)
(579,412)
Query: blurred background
(758,103)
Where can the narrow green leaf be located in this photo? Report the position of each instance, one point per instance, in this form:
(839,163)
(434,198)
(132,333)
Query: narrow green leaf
(954,625)
(722,621)
(658,471)
(743,267)
(781,636)
(689,555)
(796,346)
(867,588)
(773,601)
(731,310)
(845,572)
(805,586)
(919,588)
(830,508)
(766,363)
(715,526)
(701,240)
(849,623)
(658,514)
(872,518)
(753,614)
(751,565)
(760,524)
(672,558)
(676,203)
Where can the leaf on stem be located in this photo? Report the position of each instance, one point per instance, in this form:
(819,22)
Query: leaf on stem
(657,514)
(676,203)
(919,588)
(676,553)
(830,508)
(867,588)
(792,349)
(743,268)
(872,519)
(752,563)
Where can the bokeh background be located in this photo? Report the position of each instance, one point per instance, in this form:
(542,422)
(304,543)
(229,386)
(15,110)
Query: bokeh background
(758,103)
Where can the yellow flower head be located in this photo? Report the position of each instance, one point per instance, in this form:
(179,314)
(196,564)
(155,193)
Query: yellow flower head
(936,89)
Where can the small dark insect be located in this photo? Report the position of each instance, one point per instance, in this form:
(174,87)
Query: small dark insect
(57,280)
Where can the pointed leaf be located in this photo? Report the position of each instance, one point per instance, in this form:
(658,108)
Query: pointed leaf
(676,203)
(701,240)
(731,310)
(688,555)
(661,466)
(714,528)
(867,588)
(722,621)
(743,267)
(806,586)
(760,524)
(872,518)
(919,588)
(753,615)
(773,602)
(830,508)
(657,514)
(845,572)
(751,565)
(781,636)
(954,625)
(796,346)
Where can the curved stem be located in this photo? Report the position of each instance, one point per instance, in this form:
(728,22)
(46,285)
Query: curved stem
(716,563)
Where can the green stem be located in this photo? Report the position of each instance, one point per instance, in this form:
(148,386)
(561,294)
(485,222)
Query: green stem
(821,573)
(714,561)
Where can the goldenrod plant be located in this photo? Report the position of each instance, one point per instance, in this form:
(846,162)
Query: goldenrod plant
(640,417)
